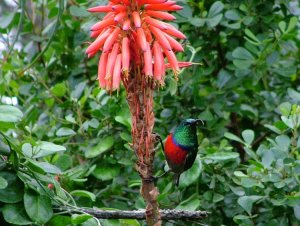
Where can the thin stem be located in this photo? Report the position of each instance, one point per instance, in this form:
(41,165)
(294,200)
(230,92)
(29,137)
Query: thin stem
(7,141)
(61,9)
(22,3)
(194,52)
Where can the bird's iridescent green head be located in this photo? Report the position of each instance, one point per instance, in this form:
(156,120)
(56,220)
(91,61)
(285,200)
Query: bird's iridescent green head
(186,133)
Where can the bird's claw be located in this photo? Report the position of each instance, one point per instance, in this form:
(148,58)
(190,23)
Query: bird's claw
(156,136)
(151,179)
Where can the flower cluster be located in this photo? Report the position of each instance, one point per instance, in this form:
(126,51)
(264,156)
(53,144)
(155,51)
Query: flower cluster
(132,33)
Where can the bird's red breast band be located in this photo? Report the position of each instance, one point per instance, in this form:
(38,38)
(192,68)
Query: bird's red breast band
(174,153)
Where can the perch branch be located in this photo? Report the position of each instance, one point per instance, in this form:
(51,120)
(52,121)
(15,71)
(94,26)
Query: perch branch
(165,214)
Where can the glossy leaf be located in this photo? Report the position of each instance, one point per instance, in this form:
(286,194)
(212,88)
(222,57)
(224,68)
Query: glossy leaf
(38,207)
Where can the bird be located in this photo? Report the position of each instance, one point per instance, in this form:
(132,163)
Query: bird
(181,147)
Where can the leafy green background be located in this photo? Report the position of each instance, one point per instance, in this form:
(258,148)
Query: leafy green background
(246,90)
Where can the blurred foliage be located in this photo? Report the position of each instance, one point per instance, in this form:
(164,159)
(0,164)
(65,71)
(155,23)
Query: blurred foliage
(65,142)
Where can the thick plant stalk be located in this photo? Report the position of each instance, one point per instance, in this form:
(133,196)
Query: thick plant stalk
(140,100)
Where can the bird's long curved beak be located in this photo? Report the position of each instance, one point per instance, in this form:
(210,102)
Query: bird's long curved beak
(197,122)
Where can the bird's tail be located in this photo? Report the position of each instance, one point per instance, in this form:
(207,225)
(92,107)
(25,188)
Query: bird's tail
(177,176)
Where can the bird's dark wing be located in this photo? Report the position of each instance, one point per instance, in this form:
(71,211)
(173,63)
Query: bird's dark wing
(190,158)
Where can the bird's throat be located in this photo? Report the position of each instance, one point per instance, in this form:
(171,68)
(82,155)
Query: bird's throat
(185,137)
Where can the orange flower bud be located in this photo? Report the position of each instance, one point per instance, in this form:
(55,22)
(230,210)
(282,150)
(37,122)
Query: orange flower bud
(125,55)
(111,39)
(103,24)
(163,41)
(142,39)
(102,70)
(160,15)
(156,23)
(117,73)
(136,19)
(148,62)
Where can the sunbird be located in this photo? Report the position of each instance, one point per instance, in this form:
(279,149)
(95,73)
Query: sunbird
(181,147)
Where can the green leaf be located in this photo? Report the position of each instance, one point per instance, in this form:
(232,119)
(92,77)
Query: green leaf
(283,142)
(239,174)
(47,167)
(48,148)
(288,121)
(33,166)
(297,212)
(232,15)
(131,222)
(64,162)
(282,26)
(293,200)
(3,183)
(251,36)
(242,54)
(15,214)
(237,190)
(104,145)
(268,158)
(222,156)
(6,19)
(59,89)
(231,136)
(64,131)
(246,202)
(285,108)
(251,153)
(42,149)
(197,22)
(83,193)
(173,87)
(94,222)
(59,220)
(248,136)
(294,94)
(38,207)
(250,182)
(78,11)
(80,218)
(10,113)
(292,24)
(190,204)
(214,21)
(217,197)
(215,9)
(105,172)
(190,176)
(123,120)
(242,220)
(13,192)
(243,58)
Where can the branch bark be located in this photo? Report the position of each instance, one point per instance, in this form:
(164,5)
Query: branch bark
(166,214)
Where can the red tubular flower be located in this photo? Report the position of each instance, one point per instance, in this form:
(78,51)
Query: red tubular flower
(132,35)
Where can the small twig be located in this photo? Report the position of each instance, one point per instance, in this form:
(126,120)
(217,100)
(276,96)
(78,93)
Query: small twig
(260,139)
(166,214)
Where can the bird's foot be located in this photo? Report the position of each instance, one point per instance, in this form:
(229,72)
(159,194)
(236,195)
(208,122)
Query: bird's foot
(151,179)
(157,138)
